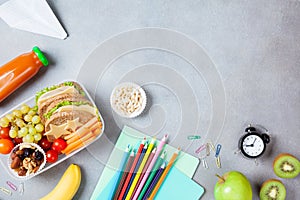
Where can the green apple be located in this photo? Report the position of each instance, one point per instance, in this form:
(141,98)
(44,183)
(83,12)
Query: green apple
(233,185)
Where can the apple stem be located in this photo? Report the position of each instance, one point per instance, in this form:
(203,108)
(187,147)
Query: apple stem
(220,177)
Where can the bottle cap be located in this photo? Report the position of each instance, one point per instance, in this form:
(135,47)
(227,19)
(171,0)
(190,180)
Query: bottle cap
(40,55)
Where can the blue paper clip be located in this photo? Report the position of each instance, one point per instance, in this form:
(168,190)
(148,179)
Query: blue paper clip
(218,150)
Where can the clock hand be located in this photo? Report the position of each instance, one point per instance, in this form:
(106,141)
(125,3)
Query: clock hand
(254,141)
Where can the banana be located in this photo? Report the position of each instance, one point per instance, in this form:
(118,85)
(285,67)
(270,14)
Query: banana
(67,186)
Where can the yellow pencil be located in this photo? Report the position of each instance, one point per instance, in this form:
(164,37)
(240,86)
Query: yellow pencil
(140,169)
(163,176)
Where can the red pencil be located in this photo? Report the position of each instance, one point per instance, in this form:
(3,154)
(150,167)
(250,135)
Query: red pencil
(136,159)
(124,175)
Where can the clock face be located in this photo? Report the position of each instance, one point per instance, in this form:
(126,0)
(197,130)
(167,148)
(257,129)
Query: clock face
(252,145)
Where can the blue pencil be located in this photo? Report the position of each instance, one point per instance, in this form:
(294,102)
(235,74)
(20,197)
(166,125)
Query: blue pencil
(120,171)
(155,180)
(135,170)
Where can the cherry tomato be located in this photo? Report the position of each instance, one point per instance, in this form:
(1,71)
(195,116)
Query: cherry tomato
(52,156)
(59,144)
(4,132)
(17,140)
(45,143)
(6,145)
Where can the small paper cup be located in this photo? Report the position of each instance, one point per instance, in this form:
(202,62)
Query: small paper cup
(28,174)
(128,100)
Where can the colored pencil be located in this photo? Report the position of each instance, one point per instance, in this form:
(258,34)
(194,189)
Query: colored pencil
(163,176)
(135,171)
(140,169)
(144,170)
(158,163)
(155,180)
(159,149)
(120,171)
(130,173)
(124,175)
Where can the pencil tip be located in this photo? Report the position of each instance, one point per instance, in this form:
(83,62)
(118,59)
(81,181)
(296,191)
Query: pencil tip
(165,137)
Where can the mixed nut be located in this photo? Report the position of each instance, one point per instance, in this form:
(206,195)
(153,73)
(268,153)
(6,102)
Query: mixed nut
(26,159)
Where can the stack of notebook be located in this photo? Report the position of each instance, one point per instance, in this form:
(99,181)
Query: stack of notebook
(178,183)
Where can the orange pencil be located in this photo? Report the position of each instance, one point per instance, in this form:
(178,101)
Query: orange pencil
(163,176)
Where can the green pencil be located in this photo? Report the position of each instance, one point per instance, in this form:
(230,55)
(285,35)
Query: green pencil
(152,175)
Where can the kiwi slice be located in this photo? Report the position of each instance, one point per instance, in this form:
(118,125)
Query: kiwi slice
(272,189)
(286,166)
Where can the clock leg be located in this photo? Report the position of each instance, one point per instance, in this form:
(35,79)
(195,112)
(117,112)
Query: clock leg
(237,151)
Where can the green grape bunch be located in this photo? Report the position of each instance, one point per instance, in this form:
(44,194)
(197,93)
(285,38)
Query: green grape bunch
(24,123)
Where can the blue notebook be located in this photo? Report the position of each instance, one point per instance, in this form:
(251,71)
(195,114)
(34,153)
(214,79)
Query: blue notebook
(176,186)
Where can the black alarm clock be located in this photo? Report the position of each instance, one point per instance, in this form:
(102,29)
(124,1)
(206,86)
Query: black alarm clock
(254,142)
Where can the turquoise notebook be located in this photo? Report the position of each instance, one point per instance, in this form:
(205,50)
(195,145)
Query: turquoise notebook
(179,178)
(176,186)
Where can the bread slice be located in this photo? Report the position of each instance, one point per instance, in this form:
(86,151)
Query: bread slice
(71,112)
(46,107)
(59,118)
(49,92)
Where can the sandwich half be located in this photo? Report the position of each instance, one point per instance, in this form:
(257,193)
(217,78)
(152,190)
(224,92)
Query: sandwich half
(61,105)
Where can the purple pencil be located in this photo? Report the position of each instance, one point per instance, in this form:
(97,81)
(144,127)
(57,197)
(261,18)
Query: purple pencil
(155,180)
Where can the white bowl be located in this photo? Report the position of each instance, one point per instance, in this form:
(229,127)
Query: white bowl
(28,175)
(128,100)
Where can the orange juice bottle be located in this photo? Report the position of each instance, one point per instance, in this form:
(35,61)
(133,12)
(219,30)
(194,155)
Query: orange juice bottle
(19,70)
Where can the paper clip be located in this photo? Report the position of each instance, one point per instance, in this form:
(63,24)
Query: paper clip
(207,149)
(212,146)
(6,191)
(201,148)
(21,188)
(218,150)
(218,162)
(11,185)
(204,163)
(194,137)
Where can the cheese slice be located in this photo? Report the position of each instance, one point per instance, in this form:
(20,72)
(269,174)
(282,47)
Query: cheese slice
(58,91)
(86,108)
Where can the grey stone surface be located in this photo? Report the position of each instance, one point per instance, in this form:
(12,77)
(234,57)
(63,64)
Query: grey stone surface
(253,44)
